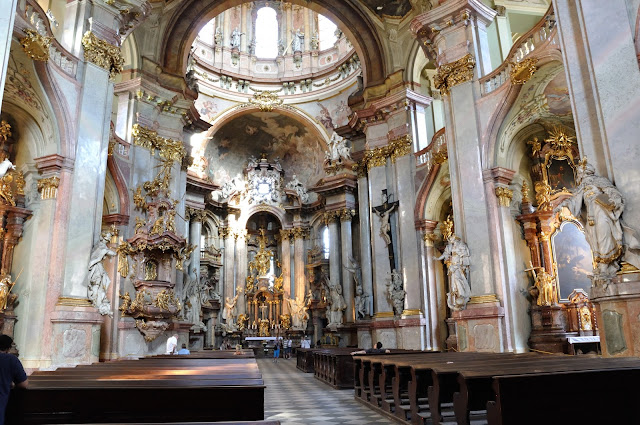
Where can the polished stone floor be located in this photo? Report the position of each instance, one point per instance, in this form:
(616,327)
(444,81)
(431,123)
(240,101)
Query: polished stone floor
(297,398)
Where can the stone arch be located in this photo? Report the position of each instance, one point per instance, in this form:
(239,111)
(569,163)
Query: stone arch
(348,15)
(278,213)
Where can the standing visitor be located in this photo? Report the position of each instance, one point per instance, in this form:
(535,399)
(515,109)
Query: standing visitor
(11,372)
(172,344)
(276,351)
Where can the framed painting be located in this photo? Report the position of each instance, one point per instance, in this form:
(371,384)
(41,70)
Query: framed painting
(560,174)
(572,255)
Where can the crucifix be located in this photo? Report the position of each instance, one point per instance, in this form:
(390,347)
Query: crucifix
(263,311)
(384,212)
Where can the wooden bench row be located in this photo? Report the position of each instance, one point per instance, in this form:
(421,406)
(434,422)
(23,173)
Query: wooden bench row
(199,388)
(435,387)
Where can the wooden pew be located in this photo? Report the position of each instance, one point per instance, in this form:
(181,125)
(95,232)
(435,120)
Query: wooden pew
(476,384)
(580,397)
(304,359)
(151,390)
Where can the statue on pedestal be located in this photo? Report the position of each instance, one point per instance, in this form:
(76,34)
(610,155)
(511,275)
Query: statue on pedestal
(235,38)
(456,257)
(338,304)
(298,41)
(544,288)
(395,292)
(99,280)
(230,310)
(602,205)
(297,185)
(338,149)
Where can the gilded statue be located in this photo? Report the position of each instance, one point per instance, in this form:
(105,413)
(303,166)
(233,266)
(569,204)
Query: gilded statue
(158,227)
(601,205)
(150,270)
(162,300)
(543,196)
(278,284)
(586,323)
(126,303)
(264,328)
(243,320)
(5,190)
(5,289)
(99,280)
(170,224)
(285,321)
(544,289)
(251,286)
(139,224)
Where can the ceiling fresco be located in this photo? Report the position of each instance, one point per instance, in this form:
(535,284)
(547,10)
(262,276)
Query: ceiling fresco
(300,151)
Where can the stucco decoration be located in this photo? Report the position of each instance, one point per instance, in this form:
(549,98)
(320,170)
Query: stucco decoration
(299,151)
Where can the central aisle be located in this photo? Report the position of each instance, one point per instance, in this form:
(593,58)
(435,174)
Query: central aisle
(297,398)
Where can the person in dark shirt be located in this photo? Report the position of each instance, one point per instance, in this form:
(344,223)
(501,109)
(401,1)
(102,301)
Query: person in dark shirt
(11,372)
(377,350)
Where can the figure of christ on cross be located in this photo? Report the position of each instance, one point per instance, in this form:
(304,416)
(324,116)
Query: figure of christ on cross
(263,311)
(384,212)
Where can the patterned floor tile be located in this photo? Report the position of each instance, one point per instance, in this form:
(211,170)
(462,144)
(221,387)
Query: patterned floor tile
(296,398)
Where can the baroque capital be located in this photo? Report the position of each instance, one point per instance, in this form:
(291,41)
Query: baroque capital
(169,149)
(346,214)
(451,74)
(48,187)
(103,54)
(504,196)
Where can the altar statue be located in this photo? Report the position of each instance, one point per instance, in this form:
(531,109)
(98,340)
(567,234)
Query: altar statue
(602,205)
(99,280)
(456,257)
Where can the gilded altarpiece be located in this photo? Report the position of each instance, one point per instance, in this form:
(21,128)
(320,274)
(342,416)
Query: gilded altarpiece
(560,254)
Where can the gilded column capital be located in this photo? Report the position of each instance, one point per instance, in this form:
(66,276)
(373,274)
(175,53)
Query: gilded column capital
(48,187)
(346,214)
(169,149)
(504,196)
(103,54)
(195,214)
(35,45)
(451,74)
(299,233)
(285,234)
(223,232)
(429,238)
(329,216)
(400,146)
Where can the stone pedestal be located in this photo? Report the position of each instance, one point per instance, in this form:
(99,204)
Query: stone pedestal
(479,327)
(75,335)
(618,312)
(548,329)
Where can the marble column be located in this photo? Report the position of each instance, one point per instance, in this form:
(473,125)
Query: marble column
(88,184)
(243,28)
(434,334)
(408,242)
(226,34)
(471,215)
(335,267)
(195,231)
(241,261)
(597,45)
(6,31)
(307,29)
(229,260)
(499,200)
(298,247)
(364,216)
(285,262)
(346,249)
(380,260)
(504,32)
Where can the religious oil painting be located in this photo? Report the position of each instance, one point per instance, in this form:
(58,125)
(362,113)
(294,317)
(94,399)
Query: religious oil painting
(573,256)
(560,175)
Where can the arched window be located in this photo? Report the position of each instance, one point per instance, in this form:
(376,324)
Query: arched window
(266,33)
(325,242)
(326,32)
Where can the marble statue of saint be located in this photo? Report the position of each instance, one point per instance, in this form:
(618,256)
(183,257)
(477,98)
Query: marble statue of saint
(218,36)
(298,312)
(601,205)
(298,41)
(362,303)
(338,149)
(396,292)
(297,185)
(355,270)
(193,298)
(99,280)
(338,305)
(385,224)
(235,38)
(230,310)
(456,257)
